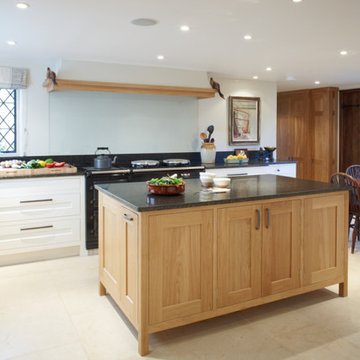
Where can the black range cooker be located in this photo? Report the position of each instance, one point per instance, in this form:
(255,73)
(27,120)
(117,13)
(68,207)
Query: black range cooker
(140,170)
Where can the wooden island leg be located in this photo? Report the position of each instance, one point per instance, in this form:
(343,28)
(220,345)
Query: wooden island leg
(143,343)
(102,290)
(343,289)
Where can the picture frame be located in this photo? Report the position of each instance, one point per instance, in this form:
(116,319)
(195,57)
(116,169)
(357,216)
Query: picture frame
(244,120)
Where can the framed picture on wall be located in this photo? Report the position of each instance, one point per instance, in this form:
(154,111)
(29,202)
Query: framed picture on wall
(244,116)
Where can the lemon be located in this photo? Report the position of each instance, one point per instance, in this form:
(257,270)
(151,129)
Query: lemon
(42,163)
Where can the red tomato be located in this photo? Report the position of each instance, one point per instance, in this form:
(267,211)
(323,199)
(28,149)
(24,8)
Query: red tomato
(50,165)
(59,164)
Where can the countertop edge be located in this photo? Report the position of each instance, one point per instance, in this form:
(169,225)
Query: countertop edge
(219,202)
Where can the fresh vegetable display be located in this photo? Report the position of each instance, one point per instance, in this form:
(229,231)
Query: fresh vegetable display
(166,180)
(32,164)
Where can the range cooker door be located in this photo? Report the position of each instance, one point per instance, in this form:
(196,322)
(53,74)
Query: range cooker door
(92,205)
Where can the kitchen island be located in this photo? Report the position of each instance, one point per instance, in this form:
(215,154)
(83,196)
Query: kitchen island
(168,261)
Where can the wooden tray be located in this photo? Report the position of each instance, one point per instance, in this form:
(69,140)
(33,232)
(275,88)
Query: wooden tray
(66,169)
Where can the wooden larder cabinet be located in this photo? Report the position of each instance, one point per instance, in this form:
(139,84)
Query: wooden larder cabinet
(118,254)
(307,131)
(180,264)
(324,251)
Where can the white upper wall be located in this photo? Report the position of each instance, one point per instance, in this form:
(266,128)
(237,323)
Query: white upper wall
(39,112)
(215,111)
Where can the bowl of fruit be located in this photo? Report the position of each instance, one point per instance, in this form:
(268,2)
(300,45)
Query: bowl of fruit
(167,185)
(237,159)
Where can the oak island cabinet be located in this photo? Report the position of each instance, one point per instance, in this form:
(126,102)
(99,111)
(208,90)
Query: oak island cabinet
(171,261)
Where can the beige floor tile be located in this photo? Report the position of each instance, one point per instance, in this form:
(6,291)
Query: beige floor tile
(35,326)
(307,337)
(51,310)
(30,287)
(66,352)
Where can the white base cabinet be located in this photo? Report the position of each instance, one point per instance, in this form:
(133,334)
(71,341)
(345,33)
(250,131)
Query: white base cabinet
(39,215)
(274,169)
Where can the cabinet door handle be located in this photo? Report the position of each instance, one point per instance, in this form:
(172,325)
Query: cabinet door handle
(268,221)
(128,218)
(34,201)
(258,219)
(37,227)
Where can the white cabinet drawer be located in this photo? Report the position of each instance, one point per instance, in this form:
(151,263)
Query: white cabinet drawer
(34,206)
(42,233)
(283,170)
(50,185)
(239,171)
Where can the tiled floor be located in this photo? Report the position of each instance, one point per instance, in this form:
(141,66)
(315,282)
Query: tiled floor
(51,310)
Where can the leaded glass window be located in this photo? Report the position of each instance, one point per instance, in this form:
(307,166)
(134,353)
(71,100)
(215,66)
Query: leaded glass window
(7,120)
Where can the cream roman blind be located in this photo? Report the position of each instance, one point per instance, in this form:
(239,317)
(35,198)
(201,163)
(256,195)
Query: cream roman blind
(13,78)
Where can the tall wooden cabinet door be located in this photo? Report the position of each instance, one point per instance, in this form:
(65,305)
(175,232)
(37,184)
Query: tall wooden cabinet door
(180,264)
(324,132)
(118,253)
(281,246)
(324,236)
(301,149)
(238,255)
(110,232)
(128,261)
(284,147)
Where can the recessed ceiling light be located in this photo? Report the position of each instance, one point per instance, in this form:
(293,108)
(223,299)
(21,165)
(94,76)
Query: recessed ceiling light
(268,68)
(297,1)
(11,42)
(247,37)
(317,82)
(22,5)
(343,52)
(143,22)
(255,77)
(185,28)
(160,57)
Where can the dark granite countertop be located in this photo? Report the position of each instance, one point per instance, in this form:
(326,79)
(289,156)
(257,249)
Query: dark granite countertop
(259,187)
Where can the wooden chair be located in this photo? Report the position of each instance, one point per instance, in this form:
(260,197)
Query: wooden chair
(354,171)
(354,201)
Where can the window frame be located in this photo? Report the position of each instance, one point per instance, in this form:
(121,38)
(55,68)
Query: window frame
(18,127)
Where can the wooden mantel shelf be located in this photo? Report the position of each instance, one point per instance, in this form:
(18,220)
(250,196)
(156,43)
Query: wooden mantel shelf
(77,85)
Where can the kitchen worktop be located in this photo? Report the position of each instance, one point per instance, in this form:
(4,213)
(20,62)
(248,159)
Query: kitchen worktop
(258,187)
(78,173)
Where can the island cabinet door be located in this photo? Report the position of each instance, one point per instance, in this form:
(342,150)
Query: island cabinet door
(238,255)
(180,264)
(118,254)
(324,238)
(281,246)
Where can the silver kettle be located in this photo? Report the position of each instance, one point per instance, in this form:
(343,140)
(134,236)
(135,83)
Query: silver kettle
(102,161)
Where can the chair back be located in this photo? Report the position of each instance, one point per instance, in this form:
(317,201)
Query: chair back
(354,198)
(354,171)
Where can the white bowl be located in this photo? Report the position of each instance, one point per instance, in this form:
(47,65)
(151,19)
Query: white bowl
(207,181)
(207,174)
(222,182)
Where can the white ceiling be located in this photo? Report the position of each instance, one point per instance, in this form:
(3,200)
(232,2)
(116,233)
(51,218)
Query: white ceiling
(296,39)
